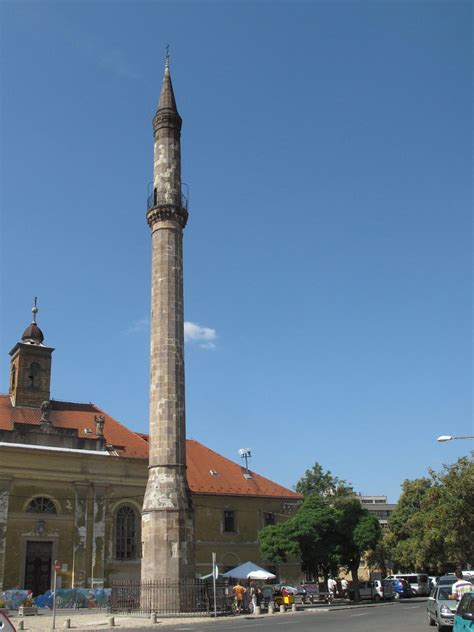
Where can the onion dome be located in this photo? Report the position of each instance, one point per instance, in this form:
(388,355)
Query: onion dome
(33,334)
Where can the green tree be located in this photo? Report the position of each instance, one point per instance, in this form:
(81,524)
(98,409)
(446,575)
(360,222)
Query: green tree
(358,532)
(325,533)
(432,526)
(406,525)
(316,482)
(311,534)
(450,512)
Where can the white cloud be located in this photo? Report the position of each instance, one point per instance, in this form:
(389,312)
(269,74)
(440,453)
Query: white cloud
(204,336)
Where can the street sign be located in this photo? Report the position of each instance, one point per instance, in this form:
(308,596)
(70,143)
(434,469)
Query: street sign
(57,566)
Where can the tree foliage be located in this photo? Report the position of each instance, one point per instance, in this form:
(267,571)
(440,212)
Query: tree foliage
(359,532)
(432,526)
(325,533)
(316,482)
(311,535)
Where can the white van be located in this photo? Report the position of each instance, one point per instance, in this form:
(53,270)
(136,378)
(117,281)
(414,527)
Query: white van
(419,582)
(374,590)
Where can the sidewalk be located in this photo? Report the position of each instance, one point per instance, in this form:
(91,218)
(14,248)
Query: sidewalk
(96,620)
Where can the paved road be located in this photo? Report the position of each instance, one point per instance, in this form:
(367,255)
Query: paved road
(403,617)
(397,617)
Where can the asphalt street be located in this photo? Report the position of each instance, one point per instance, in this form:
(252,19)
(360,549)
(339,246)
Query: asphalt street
(405,616)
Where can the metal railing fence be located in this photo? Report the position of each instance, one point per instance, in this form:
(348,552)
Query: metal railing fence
(160,198)
(169,597)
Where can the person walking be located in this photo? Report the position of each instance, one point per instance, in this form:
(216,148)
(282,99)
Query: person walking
(255,594)
(345,588)
(460,587)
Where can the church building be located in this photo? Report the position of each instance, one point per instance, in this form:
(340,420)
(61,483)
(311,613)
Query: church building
(73,479)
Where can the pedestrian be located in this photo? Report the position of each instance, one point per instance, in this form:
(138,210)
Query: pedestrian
(345,587)
(460,587)
(255,594)
(239,592)
(332,586)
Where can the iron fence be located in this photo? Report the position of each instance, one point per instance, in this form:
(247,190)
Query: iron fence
(187,597)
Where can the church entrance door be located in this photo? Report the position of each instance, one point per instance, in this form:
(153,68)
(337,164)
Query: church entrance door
(39,558)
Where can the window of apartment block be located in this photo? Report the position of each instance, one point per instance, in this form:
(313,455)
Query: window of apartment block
(268,519)
(229,521)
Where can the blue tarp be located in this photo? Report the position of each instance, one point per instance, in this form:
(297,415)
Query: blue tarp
(241,572)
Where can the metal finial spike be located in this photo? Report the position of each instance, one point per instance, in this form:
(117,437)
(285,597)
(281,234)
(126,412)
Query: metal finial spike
(35,310)
(167,58)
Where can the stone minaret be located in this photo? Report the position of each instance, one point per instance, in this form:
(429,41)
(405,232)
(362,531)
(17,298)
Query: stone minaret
(167,516)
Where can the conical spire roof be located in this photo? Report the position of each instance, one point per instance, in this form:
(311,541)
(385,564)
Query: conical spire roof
(167,100)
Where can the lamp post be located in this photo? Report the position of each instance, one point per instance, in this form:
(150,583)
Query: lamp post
(449,438)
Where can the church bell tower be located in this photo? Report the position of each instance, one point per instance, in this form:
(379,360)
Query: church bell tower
(30,368)
(167,515)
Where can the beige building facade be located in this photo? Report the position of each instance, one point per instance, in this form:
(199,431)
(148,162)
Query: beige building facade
(73,480)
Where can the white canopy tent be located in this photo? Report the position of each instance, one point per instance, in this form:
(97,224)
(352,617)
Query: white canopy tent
(261,574)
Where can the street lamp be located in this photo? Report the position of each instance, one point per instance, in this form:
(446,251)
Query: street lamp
(448,438)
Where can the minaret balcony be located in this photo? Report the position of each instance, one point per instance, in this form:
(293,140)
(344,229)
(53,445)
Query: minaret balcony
(161,198)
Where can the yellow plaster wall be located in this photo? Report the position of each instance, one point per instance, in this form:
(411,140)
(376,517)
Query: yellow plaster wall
(57,475)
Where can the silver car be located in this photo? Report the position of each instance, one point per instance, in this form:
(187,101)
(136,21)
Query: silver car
(441,608)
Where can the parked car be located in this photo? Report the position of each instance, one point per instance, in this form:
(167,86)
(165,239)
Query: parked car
(401,588)
(441,608)
(419,582)
(383,588)
(464,617)
(309,592)
(373,590)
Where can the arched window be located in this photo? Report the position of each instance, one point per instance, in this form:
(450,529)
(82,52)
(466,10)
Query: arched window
(126,533)
(33,375)
(41,505)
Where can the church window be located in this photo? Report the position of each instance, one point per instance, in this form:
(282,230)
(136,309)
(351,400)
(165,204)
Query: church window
(126,533)
(13,379)
(41,505)
(33,375)
(229,521)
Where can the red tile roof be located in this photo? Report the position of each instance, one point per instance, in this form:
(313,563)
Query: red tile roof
(229,479)
(79,417)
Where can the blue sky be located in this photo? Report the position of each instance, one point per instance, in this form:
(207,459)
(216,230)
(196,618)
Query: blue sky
(327,148)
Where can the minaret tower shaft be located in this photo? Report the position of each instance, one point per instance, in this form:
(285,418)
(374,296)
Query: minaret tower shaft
(167,516)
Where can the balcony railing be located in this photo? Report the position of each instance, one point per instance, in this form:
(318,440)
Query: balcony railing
(159,198)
